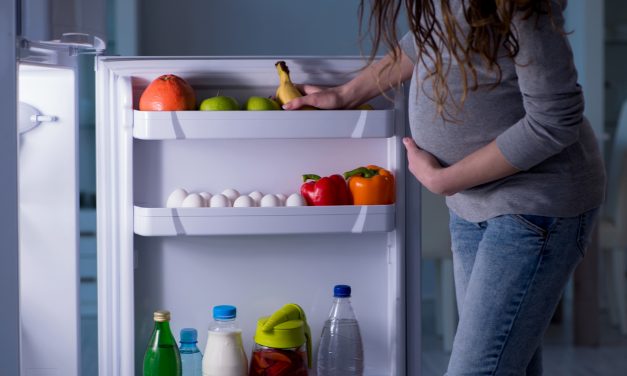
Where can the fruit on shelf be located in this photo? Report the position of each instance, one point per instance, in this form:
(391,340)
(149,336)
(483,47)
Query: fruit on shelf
(329,190)
(365,106)
(287,90)
(261,104)
(168,93)
(371,185)
(219,103)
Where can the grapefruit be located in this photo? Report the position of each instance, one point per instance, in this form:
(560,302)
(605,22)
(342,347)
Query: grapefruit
(168,93)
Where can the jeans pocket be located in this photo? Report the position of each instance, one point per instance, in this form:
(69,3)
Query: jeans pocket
(537,223)
(587,222)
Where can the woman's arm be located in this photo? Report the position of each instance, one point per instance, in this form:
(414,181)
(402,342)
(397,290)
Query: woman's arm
(484,165)
(366,85)
(552,99)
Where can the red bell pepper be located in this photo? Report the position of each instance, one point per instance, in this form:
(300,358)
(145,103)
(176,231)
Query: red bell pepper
(330,190)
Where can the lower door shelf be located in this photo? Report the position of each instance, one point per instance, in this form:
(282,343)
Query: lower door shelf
(263,221)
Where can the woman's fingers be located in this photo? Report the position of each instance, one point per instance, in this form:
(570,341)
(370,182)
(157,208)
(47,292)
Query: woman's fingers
(307,89)
(326,99)
(299,102)
(410,145)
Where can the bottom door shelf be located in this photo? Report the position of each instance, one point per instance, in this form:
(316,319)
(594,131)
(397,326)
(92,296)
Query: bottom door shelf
(263,221)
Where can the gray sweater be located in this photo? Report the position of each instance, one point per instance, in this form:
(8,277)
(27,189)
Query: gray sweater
(536,116)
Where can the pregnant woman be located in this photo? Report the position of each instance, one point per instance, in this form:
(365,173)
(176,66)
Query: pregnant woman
(497,122)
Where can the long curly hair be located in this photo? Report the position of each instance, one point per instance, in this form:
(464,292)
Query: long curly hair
(491,27)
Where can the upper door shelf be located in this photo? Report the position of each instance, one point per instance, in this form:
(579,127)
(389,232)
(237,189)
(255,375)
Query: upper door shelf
(180,125)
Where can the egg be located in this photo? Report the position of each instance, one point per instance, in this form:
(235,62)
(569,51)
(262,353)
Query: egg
(206,196)
(269,200)
(281,198)
(256,195)
(219,201)
(244,202)
(175,199)
(295,200)
(231,194)
(193,200)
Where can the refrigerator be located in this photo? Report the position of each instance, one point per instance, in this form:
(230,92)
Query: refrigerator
(188,260)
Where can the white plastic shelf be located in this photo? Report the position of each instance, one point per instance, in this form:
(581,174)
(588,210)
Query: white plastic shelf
(259,221)
(179,125)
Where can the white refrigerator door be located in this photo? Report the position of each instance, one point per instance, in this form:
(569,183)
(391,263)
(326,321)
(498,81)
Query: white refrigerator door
(187,260)
(48,209)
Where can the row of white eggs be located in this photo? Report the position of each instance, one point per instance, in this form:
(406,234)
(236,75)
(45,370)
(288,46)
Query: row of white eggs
(180,198)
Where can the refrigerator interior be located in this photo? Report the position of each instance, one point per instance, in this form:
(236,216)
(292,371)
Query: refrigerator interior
(258,259)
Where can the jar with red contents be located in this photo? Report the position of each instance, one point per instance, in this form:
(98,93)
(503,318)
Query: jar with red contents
(282,344)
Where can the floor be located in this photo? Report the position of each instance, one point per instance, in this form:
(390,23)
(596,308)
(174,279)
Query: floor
(560,357)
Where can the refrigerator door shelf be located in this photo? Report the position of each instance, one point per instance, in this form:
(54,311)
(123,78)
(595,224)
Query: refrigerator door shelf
(264,221)
(172,125)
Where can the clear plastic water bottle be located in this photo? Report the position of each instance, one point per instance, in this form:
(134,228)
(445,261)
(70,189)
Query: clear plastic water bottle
(191,357)
(341,352)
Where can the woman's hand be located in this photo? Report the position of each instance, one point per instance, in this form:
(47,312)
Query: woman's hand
(326,98)
(424,167)
(366,85)
(484,165)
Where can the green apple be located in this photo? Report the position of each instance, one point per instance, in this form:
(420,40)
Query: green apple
(219,103)
(261,104)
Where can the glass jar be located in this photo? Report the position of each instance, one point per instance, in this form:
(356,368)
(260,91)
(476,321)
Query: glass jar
(282,344)
(270,361)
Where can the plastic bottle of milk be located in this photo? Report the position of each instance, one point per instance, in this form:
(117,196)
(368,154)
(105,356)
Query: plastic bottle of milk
(224,353)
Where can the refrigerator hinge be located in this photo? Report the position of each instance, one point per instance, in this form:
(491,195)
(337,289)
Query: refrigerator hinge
(60,51)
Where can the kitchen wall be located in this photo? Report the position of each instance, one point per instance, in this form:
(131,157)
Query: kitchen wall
(244,27)
(615,57)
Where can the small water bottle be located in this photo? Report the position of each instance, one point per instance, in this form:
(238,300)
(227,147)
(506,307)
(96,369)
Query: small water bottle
(341,352)
(191,357)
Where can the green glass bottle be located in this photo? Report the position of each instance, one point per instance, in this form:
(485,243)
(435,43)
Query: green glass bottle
(162,356)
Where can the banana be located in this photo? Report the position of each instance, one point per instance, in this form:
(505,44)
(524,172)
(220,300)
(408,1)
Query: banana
(365,106)
(286,90)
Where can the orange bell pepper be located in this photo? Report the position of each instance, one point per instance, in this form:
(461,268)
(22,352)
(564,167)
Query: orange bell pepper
(371,185)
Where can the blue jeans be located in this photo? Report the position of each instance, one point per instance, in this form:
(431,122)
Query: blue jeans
(510,272)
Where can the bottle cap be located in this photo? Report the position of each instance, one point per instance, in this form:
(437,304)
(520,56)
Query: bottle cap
(189,335)
(342,291)
(224,312)
(161,316)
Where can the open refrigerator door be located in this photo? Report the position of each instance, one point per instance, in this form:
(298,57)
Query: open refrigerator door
(188,260)
(48,203)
